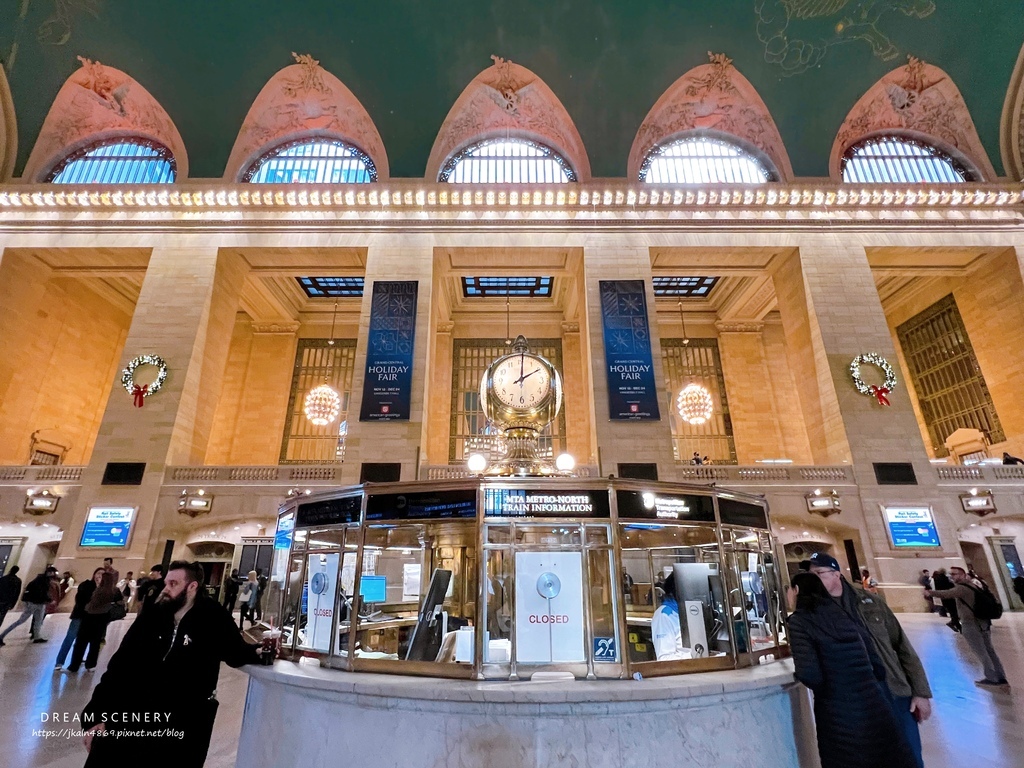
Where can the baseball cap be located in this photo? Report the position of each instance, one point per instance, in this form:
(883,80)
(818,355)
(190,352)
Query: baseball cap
(824,560)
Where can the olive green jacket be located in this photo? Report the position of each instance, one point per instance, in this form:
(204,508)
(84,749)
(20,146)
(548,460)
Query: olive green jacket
(903,669)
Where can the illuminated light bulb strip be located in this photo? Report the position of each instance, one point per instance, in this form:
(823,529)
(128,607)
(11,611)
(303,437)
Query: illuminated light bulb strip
(524,198)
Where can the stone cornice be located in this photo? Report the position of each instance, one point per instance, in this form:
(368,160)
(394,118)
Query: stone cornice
(445,326)
(275,327)
(570,327)
(739,326)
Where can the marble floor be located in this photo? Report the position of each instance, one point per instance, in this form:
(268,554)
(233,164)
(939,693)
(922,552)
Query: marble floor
(970,726)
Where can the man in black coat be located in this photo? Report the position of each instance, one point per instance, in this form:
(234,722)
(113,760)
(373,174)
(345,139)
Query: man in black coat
(231,585)
(10,589)
(148,592)
(34,601)
(163,679)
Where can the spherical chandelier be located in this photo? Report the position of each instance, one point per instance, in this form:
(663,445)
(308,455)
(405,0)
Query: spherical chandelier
(695,404)
(322,405)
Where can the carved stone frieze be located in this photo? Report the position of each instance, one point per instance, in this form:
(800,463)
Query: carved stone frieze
(96,102)
(1011,128)
(917,98)
(739,326)
(445,326)
(713,96)
(275,327)
(570,327)
(300,101)
(508,99)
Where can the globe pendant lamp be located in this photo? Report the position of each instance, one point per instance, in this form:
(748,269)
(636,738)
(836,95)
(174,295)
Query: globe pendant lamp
(694,403)
(323,404)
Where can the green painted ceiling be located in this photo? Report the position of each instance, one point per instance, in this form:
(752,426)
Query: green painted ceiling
(408,60)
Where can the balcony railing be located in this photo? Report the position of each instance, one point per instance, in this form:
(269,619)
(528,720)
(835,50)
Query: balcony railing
(272,475)
(62,473)
(1009,474)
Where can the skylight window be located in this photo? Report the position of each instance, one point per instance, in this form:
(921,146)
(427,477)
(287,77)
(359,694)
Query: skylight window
(122,161)
(684,287)
(507,161)
(332,287)
(897,160)
(482,287)
(312,161)
(703,160)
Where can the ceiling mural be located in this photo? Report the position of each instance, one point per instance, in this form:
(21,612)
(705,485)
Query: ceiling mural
(797,34)
(607,61)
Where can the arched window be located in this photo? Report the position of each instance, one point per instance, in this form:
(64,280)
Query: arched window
(507,161)
(900,160)
(117,161)
(312,161)
(703,159)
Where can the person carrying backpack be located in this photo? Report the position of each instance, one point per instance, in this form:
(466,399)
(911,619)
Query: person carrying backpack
(978,607)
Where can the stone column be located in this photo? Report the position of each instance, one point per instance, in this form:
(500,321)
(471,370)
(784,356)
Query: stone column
(263,406)
(392,441)
(24,344)
(439,416)
(755,425)
(625,441)
(185,314)
(832,312)
(579,404)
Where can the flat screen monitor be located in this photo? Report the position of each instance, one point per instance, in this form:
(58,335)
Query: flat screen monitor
(428,632)
(911,527)
(107,527)
(373,589)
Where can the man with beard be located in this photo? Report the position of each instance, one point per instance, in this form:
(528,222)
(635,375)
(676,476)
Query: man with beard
(163,678)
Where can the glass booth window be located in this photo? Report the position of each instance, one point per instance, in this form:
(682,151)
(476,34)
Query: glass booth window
(754,591)
(676,602)
(117,161)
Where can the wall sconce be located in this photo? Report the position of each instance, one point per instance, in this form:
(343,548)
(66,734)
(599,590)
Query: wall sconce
(978,503)
(824,504)
(195,504)
(41,502)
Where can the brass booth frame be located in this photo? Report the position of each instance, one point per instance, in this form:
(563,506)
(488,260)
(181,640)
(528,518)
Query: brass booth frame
(741,652)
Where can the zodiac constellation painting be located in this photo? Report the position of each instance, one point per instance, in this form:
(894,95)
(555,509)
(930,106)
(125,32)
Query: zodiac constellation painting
(798,33)
(57,18)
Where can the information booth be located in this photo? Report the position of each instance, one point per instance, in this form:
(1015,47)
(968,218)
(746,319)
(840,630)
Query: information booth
(504,578)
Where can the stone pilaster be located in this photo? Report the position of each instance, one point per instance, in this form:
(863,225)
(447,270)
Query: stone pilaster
(440,398)
(185,314)
(579,405)
(625,441)
(755,425)
(392,441)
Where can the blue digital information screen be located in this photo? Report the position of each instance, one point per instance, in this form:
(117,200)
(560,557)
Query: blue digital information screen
(283,534)
(373,589)
(107,527)
(911,527)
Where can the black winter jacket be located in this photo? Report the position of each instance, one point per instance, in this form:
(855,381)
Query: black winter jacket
(10,590)
(38,590)
(83,594)
(834,657)
(165,670)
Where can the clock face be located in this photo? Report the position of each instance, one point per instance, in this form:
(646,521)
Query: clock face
(521,381)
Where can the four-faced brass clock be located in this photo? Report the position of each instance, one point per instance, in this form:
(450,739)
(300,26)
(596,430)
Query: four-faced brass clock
(521,393)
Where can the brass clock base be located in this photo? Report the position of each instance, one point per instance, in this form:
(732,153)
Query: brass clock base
(521,459)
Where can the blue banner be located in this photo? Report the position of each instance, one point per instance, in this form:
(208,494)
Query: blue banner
(632,392)
(387,384)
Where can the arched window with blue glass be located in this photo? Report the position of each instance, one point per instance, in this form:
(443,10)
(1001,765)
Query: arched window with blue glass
(124,160)
(896,159)
(706,157)
(507,161)
(312,161)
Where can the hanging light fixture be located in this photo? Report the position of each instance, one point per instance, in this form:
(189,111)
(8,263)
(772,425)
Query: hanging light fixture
(694,402)
(323,404)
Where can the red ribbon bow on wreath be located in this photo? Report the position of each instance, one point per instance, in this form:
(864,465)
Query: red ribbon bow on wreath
(139,394)
(880,393)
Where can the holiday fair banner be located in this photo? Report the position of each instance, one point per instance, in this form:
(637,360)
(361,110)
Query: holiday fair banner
(632,394)
(387,385)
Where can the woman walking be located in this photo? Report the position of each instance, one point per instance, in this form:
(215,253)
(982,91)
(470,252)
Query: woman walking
(94,622)
(835,657)
(82,597)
